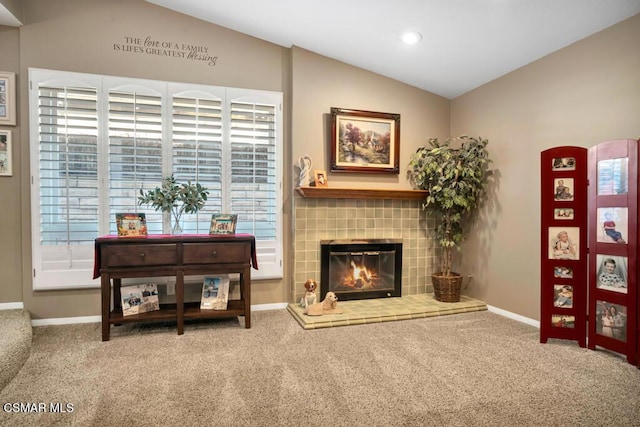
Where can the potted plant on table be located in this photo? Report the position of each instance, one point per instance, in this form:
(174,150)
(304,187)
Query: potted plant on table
(455,179)
(176,199)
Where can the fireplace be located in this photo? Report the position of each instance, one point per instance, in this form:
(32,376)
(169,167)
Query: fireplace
(361,268)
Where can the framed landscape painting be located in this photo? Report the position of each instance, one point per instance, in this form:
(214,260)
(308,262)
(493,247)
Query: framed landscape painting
(364,141)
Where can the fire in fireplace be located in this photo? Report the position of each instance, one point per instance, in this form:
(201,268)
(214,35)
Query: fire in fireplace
(361,269)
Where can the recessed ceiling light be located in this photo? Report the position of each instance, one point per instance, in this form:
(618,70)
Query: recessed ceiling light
(411,37)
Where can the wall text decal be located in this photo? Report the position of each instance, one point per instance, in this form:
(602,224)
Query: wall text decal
(150,46)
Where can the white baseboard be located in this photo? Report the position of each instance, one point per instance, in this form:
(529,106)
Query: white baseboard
(514,316)
(98,319)
(66,320)
(264,307)
(260,307)
(11,305)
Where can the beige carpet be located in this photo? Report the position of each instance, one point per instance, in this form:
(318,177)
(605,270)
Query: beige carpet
(470,369)
(15,342)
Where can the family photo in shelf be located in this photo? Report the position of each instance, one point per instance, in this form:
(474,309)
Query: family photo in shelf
(564,243)
(613,225)
(611,320)
(612,273)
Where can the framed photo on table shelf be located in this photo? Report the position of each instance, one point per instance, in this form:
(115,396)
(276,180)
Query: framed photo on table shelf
(364,141)
(138,299)
(223,224)
(215,293)
(7,98)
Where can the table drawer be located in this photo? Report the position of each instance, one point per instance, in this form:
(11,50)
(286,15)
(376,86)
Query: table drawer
(215,253)
(140,255)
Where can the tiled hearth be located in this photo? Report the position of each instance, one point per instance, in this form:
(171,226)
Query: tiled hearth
(379,310)
(319,219)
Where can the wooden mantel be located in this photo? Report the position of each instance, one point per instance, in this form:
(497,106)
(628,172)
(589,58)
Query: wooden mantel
(360,193)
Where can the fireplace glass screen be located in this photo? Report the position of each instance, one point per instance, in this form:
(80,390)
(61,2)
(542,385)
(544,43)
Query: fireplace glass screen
(361,269)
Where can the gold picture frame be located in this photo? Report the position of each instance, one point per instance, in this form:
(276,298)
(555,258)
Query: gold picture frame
(364,141)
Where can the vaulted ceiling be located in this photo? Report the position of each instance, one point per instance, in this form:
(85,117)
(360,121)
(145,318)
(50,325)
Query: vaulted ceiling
(465,43)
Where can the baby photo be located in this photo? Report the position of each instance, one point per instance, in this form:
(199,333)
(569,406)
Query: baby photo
(612,273)
(564,243)
(612,225)
(563,189)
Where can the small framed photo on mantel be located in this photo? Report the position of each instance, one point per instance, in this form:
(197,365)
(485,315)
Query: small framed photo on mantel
(320,178)
(223,224)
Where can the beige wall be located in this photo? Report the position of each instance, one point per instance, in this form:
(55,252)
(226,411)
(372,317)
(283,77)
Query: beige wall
(581,95)
(10,195)
(79,35)
(584,94)
(319,83)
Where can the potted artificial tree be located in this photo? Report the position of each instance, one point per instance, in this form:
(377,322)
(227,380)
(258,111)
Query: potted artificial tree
(176,199)
(455,179)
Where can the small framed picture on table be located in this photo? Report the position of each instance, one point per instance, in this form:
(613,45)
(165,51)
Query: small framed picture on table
(223,224)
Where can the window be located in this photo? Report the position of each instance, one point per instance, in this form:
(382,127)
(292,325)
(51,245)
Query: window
(97,140)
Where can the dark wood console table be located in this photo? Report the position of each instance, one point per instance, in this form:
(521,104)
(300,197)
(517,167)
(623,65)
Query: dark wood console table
(173,255)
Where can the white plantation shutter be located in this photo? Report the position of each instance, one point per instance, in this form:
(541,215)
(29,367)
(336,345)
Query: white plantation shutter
(135,138)
(253,184)
(65,168)
(197,150)
(97,140)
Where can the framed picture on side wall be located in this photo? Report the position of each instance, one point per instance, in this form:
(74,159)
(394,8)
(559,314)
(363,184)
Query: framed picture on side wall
(5,153)
(7,98)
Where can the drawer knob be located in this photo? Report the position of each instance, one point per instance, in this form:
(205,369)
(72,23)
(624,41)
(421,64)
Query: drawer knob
(141,254)
(214,253)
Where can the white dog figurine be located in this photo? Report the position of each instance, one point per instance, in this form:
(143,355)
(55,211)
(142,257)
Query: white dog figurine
(328,306)
(310,295)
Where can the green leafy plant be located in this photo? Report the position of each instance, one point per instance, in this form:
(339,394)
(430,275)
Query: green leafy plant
(175,198)
(455,179)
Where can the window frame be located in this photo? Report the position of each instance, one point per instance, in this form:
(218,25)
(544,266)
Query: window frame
(79,276)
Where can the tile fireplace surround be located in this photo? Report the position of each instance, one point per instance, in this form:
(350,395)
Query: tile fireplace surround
(319,219)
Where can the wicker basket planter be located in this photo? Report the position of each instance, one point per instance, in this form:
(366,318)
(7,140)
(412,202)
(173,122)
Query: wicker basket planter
(447,288)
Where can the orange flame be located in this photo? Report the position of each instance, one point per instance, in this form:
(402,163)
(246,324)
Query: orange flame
(360,272)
